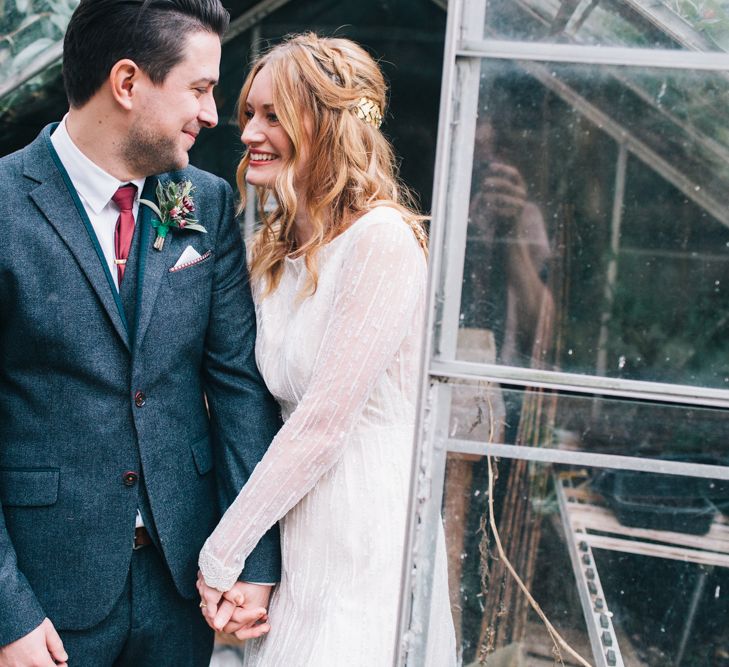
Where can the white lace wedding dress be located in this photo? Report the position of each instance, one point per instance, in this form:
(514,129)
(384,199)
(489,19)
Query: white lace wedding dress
(343,364)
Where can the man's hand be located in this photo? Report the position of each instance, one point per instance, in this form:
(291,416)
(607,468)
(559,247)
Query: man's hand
(40,648)
(249,617)
(240,611)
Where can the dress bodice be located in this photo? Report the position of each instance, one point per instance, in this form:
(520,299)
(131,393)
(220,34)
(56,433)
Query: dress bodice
(292,325)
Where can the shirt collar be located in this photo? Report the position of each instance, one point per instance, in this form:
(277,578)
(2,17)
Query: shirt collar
(95,186)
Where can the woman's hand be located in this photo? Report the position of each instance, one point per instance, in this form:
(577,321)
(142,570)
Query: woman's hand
(209,599)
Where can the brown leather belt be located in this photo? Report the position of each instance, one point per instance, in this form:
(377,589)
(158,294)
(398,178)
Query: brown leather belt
(141,538)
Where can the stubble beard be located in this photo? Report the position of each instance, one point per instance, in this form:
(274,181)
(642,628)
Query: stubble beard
(147,153)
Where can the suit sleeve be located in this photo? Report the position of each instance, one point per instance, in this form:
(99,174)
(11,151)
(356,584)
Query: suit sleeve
(20,611)
(244,416)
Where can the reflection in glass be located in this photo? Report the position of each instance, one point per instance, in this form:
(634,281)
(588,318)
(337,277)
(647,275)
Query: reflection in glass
(598,238)
(636,568)
(700,25)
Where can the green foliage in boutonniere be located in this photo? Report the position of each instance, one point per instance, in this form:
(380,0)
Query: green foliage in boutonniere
(174,208)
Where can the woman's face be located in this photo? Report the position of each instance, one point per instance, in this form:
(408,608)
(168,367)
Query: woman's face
(269,147)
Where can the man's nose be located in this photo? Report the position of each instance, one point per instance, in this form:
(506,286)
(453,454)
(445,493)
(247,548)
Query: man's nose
(208,115)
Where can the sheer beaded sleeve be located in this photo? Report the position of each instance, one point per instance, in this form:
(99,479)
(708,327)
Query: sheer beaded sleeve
(379,296)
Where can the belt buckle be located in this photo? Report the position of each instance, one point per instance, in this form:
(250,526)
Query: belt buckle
(143,543)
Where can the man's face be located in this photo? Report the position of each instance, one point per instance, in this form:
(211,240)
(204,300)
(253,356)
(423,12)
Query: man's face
(169,116)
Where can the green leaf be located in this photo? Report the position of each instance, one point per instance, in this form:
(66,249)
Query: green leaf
(197,228)
(153,206)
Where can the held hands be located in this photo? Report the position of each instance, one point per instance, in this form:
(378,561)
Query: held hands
(40,648)
(241,611)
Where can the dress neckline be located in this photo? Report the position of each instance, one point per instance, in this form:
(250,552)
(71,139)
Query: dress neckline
(295,261)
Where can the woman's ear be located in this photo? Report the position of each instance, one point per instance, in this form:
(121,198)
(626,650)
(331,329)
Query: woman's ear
(124,80)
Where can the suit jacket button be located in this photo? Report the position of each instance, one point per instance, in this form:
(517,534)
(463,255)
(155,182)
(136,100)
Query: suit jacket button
(140,399)
(130,478)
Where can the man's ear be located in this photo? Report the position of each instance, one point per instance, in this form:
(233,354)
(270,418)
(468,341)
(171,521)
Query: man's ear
(124,78)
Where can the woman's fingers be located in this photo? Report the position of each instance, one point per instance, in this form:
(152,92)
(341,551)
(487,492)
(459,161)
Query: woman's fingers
(223,614)
(209,600)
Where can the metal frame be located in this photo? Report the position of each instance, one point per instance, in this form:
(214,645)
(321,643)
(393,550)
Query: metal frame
(409,586)
(252,17)
(589,588)
(585,384)
(461,72)
(589,459)
(612,269)
(588,525)
(594,55)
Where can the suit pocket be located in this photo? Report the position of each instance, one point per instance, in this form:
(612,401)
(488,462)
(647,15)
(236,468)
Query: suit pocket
(27,487)
(196,271)
(202,454)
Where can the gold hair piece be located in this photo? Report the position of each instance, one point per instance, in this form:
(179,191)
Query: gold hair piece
(369,111)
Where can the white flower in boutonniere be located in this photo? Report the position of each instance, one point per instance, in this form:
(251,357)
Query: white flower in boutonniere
(174,208)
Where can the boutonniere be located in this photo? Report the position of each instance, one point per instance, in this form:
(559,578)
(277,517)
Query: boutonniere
(174,208)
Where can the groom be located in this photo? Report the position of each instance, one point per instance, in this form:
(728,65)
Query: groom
(131,409)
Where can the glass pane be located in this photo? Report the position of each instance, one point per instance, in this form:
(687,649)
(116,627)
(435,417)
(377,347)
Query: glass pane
(598,241)
(482,412)
(667,24)
(639,563)
(28,28)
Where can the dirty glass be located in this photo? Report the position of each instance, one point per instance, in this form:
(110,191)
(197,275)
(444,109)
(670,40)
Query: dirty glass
(697,25)
(482,412)
(598,238)
(630,566)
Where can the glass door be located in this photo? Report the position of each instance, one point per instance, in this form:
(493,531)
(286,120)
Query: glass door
(572,438)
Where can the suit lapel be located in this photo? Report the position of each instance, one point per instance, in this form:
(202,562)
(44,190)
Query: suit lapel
(56,197)
(152,263)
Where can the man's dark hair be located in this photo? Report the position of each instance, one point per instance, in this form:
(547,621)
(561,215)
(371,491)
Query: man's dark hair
(152,33)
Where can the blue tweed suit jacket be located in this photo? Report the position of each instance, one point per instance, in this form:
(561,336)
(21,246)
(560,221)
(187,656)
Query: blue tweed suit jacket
(70,426)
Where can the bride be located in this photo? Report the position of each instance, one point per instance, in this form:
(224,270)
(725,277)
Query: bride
(338,273)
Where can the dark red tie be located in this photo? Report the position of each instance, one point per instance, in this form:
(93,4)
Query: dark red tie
(124,199)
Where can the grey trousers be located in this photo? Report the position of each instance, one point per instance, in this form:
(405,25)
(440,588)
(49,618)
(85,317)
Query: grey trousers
(149,626)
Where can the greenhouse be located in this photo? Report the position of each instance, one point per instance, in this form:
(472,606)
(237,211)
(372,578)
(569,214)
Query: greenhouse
(574,157)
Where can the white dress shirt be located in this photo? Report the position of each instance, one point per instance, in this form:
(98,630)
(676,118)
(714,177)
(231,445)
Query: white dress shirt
(95,188)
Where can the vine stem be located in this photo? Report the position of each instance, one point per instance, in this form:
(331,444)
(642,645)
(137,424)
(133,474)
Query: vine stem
(554,635)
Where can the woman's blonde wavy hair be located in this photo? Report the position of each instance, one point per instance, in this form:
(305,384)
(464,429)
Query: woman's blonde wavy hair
(350,165)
